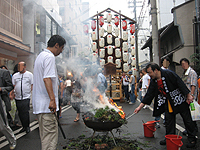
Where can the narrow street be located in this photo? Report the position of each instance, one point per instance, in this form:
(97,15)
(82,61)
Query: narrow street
(134,130)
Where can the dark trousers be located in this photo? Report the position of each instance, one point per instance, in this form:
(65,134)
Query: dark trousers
(125,88)
(170,120)
(23,107)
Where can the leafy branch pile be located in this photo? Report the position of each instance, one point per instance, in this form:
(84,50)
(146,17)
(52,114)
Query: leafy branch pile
(106,114)
(83,143)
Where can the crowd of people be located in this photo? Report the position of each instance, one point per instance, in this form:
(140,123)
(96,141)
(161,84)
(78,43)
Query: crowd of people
(170,94)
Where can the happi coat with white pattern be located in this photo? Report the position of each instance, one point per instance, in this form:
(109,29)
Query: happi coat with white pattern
(175,90)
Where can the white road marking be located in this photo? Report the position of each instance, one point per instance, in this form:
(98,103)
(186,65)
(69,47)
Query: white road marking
(34,125)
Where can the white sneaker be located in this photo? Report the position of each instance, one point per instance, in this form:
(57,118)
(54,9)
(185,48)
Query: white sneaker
(157,125)
(145,107)
(131,103)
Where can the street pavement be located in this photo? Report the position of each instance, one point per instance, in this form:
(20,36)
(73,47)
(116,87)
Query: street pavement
(133,129)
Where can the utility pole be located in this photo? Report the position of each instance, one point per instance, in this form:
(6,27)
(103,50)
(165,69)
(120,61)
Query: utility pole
(154,31)
(136,39)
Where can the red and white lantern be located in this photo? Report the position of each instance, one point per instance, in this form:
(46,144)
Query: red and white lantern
(109,49)
(118,63)
(133,61)
(94,57)
(116,29)
(109,17)
(132,29)
(134,71)
(132,41)
(117,53)
(101,42)
(117,42)
(102,62)
(132,50)
(101,21)
(110,59)
(109,28)
(125,35)
(94,36)
(102,53)
(125,46)
(94,46)
(125,67)
(116,20)
(124,25)
(93,25)
(109,39)
(125,57)
(85,29)
(101,31)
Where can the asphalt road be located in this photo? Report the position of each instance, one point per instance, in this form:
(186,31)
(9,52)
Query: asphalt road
(134,129)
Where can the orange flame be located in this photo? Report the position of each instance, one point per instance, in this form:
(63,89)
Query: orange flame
(121,112)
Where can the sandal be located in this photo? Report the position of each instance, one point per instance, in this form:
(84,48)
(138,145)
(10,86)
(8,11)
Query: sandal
(76,120)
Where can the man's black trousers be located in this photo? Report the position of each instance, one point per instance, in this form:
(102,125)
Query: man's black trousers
(23,107)
(170,119)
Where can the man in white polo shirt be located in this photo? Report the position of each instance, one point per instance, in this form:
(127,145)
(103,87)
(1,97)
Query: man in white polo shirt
(45,92)
(23,84)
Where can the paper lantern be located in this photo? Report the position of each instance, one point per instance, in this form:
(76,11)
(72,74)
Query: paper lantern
(132,28)
(94,46)
(101,42)
(93,25)
(124,24)
(101,21)
(125,35)
(133,61)
(109,28)
(125,46)
(102,62)
(102,53)
(125,57)
(134,71)
(117,42)
(117,53)
(116,31)
(109,39)
(109,17)
(116,20)
(110,59)
(132,50)
(94,36)
(85,29)
(118,63)
(109,50)
(101,31)
(94,57)
(125,67)
(132,39)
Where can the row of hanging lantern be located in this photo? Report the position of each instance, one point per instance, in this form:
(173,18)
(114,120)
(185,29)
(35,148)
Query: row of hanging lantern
(110,47)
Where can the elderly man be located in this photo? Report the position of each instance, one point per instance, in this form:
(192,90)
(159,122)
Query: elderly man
(172,97)
(190,78)
(5,87)
(45,92)
(23,84)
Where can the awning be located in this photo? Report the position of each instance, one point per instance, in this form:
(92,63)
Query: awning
(12,48)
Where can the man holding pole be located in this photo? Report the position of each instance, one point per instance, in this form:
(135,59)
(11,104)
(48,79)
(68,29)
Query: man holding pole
(45,92)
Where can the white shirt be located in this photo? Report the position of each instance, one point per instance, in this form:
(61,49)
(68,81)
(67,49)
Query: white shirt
(125,83)
(22,83)
(44,67)
(145,81)
(68,83)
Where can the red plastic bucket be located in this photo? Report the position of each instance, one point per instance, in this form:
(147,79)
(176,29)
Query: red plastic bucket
(149,128)
(173,143)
